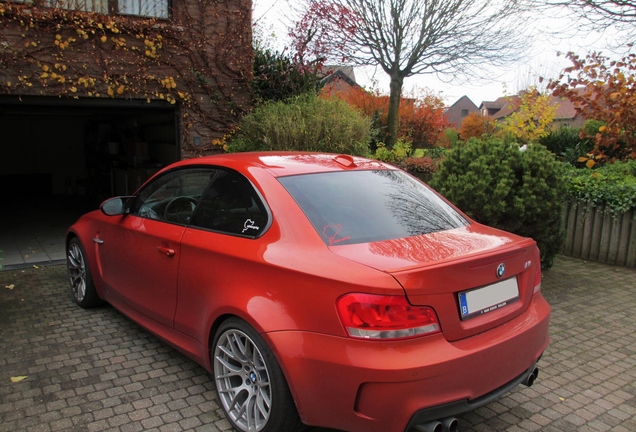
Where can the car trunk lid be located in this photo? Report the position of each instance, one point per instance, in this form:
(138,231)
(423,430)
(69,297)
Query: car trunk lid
(486,273)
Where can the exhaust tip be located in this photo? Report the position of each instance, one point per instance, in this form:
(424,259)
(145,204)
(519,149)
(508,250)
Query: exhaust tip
(450,424)
(433,426)
(532,376)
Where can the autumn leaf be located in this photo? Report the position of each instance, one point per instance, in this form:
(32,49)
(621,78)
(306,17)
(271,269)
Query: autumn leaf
(590,163)
(120,89)
(582,159)
(16,379)
(10,286)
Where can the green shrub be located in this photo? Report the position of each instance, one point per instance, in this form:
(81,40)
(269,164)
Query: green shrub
(277,77)
(396,155)
(305,123)
(612,184)
(449,138)
(567,144)
(498,185)
(591,127)
(435,152)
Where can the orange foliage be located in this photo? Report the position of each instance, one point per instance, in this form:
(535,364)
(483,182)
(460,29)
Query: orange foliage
(422,119)
(475,125)
(603,90)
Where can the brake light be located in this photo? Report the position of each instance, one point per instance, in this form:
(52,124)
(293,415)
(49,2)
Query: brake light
(370,316)
(537,281)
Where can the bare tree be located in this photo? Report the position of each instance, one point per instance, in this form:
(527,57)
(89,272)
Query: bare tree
(409,37)
(599,15)
(595,17)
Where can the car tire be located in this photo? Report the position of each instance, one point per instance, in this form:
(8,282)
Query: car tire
(79,275)
(249,382)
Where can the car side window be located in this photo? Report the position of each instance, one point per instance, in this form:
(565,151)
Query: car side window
(173,196)
(231,205)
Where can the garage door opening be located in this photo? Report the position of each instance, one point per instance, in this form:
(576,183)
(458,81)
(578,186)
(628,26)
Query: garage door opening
(61,158)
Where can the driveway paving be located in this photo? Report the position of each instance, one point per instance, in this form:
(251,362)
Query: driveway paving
(95,370)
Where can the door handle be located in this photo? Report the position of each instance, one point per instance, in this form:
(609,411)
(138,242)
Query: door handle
(165,250)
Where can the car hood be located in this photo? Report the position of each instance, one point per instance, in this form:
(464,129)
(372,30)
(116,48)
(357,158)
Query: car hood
(430,249)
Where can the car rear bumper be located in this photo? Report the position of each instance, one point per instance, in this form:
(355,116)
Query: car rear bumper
(455,408)
(361,385)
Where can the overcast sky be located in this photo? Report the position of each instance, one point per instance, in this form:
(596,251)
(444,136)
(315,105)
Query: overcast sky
(275,16)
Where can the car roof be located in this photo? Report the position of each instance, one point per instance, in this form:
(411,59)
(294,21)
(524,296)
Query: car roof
(289,163)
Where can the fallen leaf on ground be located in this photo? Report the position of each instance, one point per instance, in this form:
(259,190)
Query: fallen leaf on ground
(16,379)
(34,266)
(10,286)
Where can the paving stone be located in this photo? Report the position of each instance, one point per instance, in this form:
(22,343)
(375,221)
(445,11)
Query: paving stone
(95,370)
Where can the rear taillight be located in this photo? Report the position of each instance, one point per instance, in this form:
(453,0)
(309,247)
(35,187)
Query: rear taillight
(537,281)
(371,316)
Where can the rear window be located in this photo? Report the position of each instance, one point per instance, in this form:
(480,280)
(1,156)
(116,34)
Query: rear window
(366,206)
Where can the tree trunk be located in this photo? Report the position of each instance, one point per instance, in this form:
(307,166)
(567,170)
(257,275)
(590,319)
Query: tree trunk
(394,107)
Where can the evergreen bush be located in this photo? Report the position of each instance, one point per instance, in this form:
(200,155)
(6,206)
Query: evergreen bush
(567,144)
(278,77)
(500,185)
(304,123)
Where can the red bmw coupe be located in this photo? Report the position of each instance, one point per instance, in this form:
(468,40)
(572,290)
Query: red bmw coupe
(318,289)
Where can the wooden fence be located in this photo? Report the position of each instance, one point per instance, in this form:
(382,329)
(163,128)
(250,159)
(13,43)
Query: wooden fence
(596,234)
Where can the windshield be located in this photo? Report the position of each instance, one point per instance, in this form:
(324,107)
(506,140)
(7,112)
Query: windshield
(365,206)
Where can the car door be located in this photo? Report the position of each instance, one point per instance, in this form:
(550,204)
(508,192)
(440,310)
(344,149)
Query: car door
(219,244)
(139,252)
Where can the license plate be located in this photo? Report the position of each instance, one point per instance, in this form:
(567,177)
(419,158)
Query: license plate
(489,298)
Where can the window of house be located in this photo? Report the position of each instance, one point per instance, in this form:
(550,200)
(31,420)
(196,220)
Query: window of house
(145,8)
(142,8)
(99,6)
(464,113)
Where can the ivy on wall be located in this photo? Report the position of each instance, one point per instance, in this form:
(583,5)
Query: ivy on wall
(200,59)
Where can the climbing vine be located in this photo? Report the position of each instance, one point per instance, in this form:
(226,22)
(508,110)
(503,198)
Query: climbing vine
(200,59)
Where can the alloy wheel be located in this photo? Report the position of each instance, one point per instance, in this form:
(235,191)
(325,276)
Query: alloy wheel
(76,271)
(242,380)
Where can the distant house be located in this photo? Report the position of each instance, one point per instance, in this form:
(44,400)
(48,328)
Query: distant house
(494,108)
(565,116)
(460,109)
(338,79)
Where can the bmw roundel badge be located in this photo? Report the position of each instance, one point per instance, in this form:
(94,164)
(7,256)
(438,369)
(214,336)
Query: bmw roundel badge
(501,270)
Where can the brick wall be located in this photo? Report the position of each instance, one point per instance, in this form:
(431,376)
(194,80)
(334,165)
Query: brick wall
(200,60)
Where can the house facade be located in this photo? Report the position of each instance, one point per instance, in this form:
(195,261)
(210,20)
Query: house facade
(338,79)
(565,113)
(460,109)
(96,95)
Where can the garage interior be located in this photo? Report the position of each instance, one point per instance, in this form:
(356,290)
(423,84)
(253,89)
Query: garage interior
(63,157)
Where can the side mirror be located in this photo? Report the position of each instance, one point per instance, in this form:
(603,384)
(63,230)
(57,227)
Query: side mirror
(113,206)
